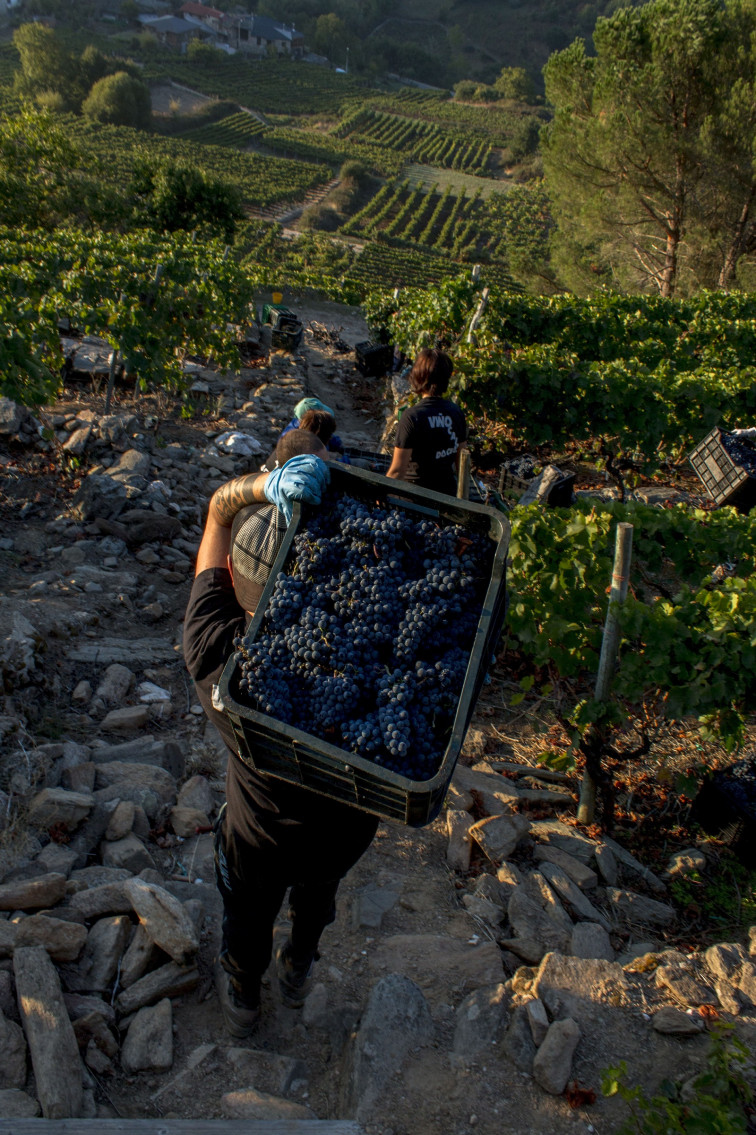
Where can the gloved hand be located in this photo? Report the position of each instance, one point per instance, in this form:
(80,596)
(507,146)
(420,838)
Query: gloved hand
(301,478)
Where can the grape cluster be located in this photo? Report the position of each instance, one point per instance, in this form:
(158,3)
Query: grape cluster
(523,467)
(366,639)
(740,452)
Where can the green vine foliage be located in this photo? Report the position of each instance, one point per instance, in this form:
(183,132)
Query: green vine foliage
(688,643)
(30,355)
(642,376)
(714,1103)
(109,285)
(646,376)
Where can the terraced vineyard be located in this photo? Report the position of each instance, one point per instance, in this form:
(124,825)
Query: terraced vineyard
(311,146)
(272,86)
(236,130)
(262,180)
(444,221)
(410,267)
(419,139)
(431,176)
(494,122)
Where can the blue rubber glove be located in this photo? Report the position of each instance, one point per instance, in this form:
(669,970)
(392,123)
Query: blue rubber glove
(302,478)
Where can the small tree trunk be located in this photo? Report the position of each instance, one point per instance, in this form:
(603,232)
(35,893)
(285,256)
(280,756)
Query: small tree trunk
(668,277)
(609,646)
(738,243)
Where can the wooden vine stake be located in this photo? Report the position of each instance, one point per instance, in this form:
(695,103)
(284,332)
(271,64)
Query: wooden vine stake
(463,477)
(609,647)
(477,317)
(111,378)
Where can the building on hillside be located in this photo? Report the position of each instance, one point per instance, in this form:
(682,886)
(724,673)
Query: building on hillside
(174,31)
(212,18)
(259,36)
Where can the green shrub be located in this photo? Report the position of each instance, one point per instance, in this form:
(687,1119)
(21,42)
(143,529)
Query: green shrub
(465,90)
(713,1103)
(119,100)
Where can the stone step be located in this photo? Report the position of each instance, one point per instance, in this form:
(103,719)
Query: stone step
(179,1127)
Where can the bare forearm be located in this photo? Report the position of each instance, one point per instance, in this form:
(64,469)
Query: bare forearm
(399,464)
(235,495)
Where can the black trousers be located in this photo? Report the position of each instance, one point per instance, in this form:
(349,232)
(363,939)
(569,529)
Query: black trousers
(272,836)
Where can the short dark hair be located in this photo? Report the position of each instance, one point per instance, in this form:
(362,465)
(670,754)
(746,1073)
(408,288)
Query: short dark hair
(431,371)
(320,423)
(295,442)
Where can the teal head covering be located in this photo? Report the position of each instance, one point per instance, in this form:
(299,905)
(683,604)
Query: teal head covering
(306,404)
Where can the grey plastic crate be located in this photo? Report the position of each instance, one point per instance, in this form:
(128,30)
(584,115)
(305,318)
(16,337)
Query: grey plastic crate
(724,481)
(297,756)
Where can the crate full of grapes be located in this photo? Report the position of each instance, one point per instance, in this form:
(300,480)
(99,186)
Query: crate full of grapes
(358,675)
(726,807)
(726,464)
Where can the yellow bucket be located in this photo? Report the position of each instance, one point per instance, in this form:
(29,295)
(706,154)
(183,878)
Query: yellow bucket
(277,297)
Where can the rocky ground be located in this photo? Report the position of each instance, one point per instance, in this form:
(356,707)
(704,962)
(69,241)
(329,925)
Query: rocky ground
(482,970)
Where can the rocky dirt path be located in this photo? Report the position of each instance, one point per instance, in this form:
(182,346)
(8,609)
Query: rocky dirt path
(478,967)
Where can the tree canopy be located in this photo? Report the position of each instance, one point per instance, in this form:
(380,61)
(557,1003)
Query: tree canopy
(171,197)
(120,100)
(649,158)
(36,171)
(57,78)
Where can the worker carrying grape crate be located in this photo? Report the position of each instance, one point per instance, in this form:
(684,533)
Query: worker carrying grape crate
(346,697)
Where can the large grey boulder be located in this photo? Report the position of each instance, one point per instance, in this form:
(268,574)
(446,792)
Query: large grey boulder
(553,1061)
(49,1033)
(396,1021)
(149,1041)
(165,920)
(481,1020)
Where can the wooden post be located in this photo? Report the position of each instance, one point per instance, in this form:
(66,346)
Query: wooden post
(463,477)
(478,316)
(111,378)
(609,645)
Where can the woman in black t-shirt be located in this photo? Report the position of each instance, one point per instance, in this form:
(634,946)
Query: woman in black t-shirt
(430,434)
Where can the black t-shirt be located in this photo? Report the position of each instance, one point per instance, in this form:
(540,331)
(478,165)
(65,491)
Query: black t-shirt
(213,620)
(434,429)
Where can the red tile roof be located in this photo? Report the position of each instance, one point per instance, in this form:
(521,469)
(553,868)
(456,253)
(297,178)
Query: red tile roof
(192,8)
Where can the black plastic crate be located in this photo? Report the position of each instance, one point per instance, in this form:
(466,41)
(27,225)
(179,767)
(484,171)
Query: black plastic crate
(287,338)
(379,463)
(722,815)
(298,757)
(724,480)
(561,494)
(374,359)
(278,313)
(364,459)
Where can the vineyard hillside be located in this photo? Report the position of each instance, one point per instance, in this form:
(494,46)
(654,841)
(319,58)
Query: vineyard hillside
(544,686)
(419,931)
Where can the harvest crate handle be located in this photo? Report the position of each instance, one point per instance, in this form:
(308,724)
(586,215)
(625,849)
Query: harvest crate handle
(400,502)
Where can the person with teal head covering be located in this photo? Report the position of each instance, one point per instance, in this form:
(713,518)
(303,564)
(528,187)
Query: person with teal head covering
(335,444)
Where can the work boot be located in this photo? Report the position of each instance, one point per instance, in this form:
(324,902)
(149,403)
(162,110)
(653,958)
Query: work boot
(294,978)
(239,1014)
